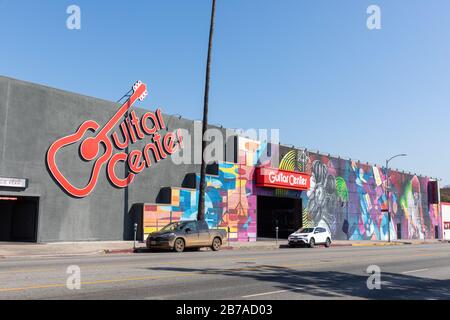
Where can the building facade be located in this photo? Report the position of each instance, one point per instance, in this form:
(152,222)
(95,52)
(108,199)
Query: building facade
(75,168)
(347,197)
(445,209)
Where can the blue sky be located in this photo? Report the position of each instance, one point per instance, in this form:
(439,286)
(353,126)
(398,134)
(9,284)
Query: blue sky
(310,68)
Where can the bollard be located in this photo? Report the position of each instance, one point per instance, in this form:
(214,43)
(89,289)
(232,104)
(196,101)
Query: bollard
(276,233)
(135,232)
(228,235)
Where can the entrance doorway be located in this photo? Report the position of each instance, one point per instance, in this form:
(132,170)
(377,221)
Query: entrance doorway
(286,213)
(399,231)
(18,218)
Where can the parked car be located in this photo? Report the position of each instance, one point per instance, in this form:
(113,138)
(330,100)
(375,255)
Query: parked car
(180,235)
(310,237)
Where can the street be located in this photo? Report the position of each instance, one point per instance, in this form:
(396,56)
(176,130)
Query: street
(407,272)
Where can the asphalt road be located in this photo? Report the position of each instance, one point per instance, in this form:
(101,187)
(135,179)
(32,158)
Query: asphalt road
(410,271)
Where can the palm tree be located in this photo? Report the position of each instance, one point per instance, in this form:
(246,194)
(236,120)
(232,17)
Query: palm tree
(201,199)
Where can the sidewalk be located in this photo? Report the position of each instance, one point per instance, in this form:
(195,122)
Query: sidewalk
(272,244)
(61,249)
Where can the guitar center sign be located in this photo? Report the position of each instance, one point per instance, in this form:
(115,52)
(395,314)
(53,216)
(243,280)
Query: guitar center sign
(98,147)
(276,178)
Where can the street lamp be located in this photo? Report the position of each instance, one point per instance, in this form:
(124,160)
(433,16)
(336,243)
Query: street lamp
(387,192)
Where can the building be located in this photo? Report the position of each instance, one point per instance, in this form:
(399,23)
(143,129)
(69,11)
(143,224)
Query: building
(445,209)
(76,168)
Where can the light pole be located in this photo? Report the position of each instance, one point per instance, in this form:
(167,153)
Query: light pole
(387,192)
(201,198)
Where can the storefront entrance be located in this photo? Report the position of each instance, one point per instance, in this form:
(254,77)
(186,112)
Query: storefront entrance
(286,213)
(18,218)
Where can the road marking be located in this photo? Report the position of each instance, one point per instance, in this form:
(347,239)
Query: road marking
(413,271)
(28,270)
(132,264)
(270,292)
(59,285)
(425,254)
(183,274)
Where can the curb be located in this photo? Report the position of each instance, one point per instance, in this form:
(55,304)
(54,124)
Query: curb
(377,244)
(55,255)
(341,244)
(114,251)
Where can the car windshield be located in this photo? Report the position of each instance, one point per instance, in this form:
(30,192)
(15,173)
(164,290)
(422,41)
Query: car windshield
(305,230)
(174,226)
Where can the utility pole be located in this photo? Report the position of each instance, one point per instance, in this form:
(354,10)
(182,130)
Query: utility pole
(387,200)
(387,193)
(201,198)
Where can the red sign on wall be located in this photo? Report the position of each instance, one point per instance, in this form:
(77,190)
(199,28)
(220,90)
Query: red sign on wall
(276,178)
(97,145)
(447,225)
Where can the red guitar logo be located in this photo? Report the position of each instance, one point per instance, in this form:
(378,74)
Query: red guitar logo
(90,148)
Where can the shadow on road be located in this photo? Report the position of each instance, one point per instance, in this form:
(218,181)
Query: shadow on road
(329,284)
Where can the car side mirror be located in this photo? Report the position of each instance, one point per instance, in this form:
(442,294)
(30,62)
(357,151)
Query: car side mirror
(316,232)
(188,230)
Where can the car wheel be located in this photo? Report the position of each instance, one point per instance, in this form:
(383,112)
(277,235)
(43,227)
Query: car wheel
(312,243)
(328,243)
(216,244)
(179,245)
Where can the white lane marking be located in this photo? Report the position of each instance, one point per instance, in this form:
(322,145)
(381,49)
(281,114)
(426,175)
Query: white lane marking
(270,292)
(412,271)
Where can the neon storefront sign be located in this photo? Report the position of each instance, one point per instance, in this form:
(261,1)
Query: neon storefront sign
(98,148)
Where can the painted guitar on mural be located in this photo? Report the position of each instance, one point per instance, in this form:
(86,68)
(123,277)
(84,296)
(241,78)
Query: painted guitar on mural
(90,148)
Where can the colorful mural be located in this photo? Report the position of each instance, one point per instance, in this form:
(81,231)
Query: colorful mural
(345,196)
(348,197)
(229,202)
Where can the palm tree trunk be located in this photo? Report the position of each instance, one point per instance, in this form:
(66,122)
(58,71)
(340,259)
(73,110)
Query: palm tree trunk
(201,199)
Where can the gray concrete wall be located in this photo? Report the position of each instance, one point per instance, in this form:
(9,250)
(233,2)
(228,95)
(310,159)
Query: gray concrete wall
(32,117)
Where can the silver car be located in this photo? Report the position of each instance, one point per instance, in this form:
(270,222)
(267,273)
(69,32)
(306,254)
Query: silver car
(310,237)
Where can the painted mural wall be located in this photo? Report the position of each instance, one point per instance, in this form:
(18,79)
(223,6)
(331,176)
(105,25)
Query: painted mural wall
(346,197)
(230,197)
(229,202)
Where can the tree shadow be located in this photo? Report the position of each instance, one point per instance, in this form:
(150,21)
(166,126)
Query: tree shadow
(330,284)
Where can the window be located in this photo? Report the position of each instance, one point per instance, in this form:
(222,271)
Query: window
(191,225)
(203,226)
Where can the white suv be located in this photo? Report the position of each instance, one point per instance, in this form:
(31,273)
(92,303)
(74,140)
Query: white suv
(310,236)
